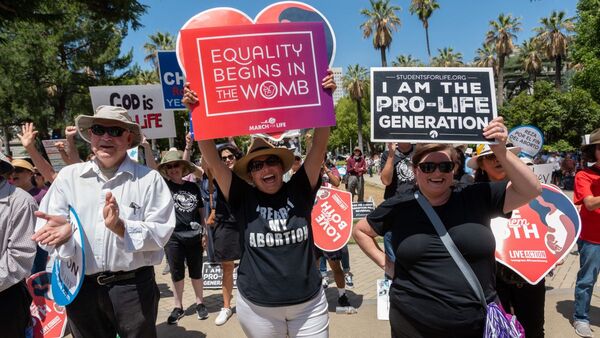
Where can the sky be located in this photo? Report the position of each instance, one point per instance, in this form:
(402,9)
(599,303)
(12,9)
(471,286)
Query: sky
(460,24)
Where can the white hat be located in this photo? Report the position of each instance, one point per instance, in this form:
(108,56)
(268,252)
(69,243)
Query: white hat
(109,113)
(483,150)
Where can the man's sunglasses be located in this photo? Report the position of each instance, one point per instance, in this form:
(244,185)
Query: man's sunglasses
(429,167)
(227,158)
(270,161)
(112,131)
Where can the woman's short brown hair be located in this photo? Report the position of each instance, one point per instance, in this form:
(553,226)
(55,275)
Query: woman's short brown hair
(424,149)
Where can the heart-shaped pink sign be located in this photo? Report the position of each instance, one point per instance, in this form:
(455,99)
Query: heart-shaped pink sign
(538,235)
(280,12)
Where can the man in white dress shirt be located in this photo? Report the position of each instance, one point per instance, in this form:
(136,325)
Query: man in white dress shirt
(17,252)
(127,216)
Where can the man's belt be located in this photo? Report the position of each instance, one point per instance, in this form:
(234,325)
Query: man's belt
(109,277)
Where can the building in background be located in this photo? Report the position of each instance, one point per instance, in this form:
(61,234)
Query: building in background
(337,77)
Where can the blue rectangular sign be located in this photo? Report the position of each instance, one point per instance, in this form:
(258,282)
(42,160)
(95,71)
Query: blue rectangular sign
(171,79)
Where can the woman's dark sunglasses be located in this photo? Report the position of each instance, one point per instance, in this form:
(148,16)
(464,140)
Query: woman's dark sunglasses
(270,161)
(227,158)
(171,166)
(429,167)
(112,131)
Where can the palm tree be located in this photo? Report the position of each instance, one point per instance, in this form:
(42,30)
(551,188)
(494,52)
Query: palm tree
(553,38)
(486,57)
(424,9)
(381,20)
(501,34)
(356,84)
(530,57)
(447,58)
(158,41)
(406,61)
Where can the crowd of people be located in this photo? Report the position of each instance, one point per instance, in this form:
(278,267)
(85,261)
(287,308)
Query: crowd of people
(255,208)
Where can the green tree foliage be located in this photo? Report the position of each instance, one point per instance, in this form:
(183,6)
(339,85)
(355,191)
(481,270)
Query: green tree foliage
(562,116)
(424,9)
(447,57)
(346,128)
(381,21)
(407,61)
(47,67)
(554,39)
(356,84)
(486,57)
(586,47)
(502,33)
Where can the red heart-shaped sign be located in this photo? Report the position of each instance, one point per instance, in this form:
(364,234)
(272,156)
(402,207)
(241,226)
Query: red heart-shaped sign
(538,235)
(332,219)
(280,12)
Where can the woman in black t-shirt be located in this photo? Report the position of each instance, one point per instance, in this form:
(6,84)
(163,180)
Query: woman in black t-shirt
(185,244)
(518,297)
(279,286)
(430,296)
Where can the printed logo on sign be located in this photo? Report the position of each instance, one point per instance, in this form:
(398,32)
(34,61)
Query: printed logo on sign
(267,124)
(267,76)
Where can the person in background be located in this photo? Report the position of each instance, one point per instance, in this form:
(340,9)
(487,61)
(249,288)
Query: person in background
(23,177)
(518,297)
(399,179)
(460,174)
(331,177)
(185,245)
(429,295)
(356,166)
(295,167)
(17,253)
(127,216)
(279,288)
(587,195)
(468,155)
(224,228)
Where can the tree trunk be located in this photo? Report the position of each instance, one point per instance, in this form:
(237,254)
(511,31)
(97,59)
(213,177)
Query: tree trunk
(383,58)
(360,125)
(500,85)
(427,40)
(557,72)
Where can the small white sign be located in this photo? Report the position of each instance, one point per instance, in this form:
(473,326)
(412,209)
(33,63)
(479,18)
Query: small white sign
(143,103)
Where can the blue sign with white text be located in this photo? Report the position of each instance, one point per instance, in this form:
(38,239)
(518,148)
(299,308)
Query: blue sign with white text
(171,79)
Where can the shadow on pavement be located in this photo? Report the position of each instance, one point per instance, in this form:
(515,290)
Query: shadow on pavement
(566,308)
(165,290)
(166,330)
(331,293)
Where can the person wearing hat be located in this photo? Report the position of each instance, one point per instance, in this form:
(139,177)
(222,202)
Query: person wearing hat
(279,286)
(586,193)
(356,167)
(185,244)
(224,231)
(486,165)
(23,177)
(127,216)
(17,252)
(524,300)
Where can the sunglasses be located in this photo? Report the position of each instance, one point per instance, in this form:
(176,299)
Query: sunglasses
(429,167)
(270,161)
(227,158)
(491,157)
(172,166)
(112,131)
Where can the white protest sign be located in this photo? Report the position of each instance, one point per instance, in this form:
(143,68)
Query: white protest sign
(383,299)
(144,104)
(529,138)
(53,154)
(544,172)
